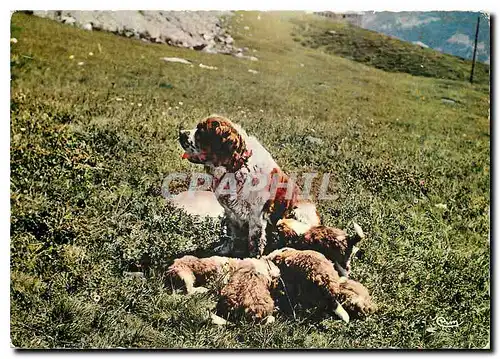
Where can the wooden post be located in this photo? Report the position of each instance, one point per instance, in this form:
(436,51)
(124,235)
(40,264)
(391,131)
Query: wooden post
(475,49)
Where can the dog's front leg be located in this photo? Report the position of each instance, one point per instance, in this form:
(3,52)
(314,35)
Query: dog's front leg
(228,235)
(257,240)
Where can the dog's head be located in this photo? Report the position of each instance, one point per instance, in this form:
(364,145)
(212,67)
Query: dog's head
(215,141)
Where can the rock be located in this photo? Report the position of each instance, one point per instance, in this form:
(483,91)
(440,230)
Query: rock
(81,63)
(333,32)
(68,20)
(253,71)
(176,59)
(208,67)
(314,140)
(190,29)
(448,101)
(13,40)
(210,50)
(242,56)
(246,28)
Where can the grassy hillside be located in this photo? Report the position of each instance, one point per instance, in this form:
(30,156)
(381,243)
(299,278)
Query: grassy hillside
(384,52)
(91,143)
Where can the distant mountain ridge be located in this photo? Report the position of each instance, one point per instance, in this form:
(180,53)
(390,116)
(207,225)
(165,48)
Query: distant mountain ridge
(450,32)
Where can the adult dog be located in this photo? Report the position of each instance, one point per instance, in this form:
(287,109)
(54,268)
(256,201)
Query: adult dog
(248,183)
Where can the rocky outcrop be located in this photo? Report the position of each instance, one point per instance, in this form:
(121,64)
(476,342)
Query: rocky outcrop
(199,30)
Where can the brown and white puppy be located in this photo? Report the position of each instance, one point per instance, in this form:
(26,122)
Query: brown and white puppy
(195,273)
(332,242)
(243,285)
(248,183)
(248,291)
(311,280)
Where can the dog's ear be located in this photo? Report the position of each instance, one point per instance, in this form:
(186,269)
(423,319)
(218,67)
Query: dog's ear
(218,130)
(217,137)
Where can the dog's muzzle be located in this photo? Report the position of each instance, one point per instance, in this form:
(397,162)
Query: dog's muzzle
(186,141)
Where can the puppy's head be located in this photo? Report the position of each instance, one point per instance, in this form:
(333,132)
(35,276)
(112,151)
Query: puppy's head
(215,141)
(356,298)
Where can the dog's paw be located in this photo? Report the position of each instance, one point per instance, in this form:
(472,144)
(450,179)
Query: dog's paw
(269,320)
(225,248)
(358,230)
(253,253)
(215,319)
(341,313)
(198,290)
(342,271)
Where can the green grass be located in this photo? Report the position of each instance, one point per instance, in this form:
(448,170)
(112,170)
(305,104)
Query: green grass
(384,52)
(86,169)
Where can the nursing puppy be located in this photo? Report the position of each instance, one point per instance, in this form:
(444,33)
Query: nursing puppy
(248,292)
(243,285)
(332,242)
(311,280)
(189,271)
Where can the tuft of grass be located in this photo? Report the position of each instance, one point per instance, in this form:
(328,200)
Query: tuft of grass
(87,164)
(385,52)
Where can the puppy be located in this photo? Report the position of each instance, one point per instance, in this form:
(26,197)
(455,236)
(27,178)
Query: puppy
(189,271)
(243,285)
(332,242)
(311,279)
(248,291)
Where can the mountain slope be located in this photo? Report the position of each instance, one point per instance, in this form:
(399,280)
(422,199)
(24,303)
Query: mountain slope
(451,32)
(384,52)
